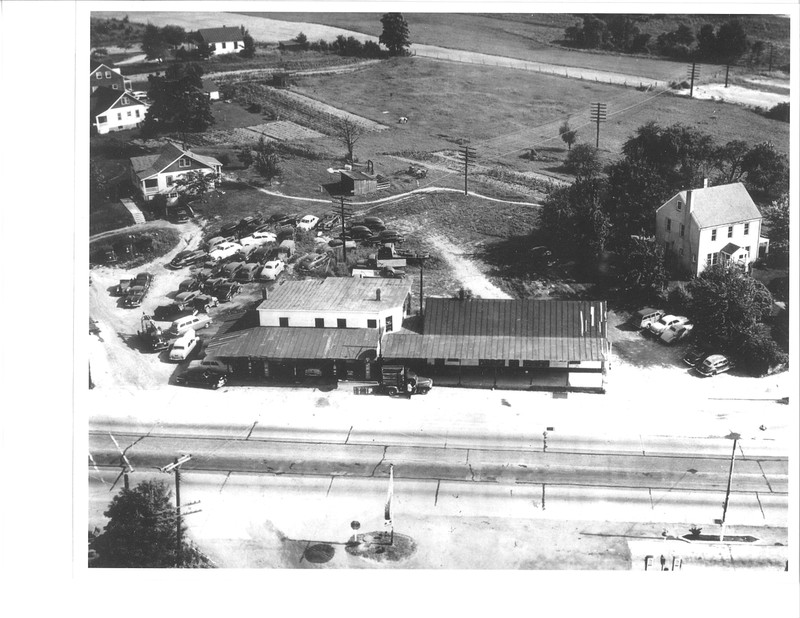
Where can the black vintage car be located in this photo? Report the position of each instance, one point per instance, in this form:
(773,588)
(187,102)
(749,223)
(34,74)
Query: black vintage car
(226,291)
(173,311)
(200,376)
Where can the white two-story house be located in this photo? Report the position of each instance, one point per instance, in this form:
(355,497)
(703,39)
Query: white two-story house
(115,110)
(702,227)
(156,174)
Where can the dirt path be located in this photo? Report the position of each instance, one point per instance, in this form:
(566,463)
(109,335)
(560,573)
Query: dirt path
(115,361)
(465,271)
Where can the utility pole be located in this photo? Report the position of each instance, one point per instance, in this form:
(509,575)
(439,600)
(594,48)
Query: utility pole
(735,437)
(345,211)
(727,71)
(468,154)
(176,467)
(421,257)
(598,115)
(694,73)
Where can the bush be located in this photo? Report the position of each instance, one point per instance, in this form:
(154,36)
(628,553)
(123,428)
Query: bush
(760,354)
(779,112)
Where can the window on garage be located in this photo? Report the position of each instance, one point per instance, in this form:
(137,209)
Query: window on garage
(319,322)
(283,321)
(341,323)
(372,323)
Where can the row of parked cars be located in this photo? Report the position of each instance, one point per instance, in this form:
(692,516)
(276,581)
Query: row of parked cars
(673,328)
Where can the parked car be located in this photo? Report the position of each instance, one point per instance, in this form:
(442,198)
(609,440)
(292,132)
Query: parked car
(390,236)
(244,253)
(211,362)
(177,261)
(184,298)
(694,355)
(329,221)
(135,294)
(664,322)
(338,242)
(122,287)
(216,240)
(274,218)
(271,270)
(179,215)
(231,269)
(184,345)
(676,332)
(210,284)
(200,376)
(247,241)
(290,220)
(312,261)
(360,232)
(644,317)
(197,256)
(246,223)
(224,250)
(203,302)
(229,230)
(184,323)
(261,255)
(284,233)
(173,311)
(309,222)
(188,285)
(376,224)
(226,291)
(247,273)
(714,364)
(265,236)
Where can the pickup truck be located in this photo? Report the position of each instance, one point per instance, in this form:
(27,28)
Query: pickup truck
(388,257)
(397,379)
(139,286)
(152,335)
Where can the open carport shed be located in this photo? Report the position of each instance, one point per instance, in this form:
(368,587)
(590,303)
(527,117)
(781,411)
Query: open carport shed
(516,344)
(293,354)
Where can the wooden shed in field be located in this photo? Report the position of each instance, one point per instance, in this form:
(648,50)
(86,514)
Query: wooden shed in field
(355,182)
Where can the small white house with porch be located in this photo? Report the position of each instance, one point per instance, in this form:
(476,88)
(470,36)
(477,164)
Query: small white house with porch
(156,174)
(706,226)
(223,40)
(115,110)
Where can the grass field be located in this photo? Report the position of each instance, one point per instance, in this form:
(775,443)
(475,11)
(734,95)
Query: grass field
(503,114)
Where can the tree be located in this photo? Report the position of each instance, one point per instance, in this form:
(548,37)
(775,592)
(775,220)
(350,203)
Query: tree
(567,134)
(174,36)
(643,268)
(98,181)
(776,220)
(583,161)
(760,352)
(348,131)
(635,191)
(141,532)
(190,73)
(249,49)
(266,160)
(178,103)
(395,34)
(153,44)
(767,172)
(726,304)
(731,41)
(192,185)
(728,160)
(302,40)
(706,41)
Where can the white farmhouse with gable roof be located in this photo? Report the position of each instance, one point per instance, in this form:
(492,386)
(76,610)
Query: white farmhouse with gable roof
(223,40)
(156,174)
(702,227)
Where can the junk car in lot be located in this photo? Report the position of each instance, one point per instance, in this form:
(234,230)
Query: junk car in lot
(658,326)
(200,376)
(247,273)
(271,270)
(308,223)
(173,311)
(203,302)
(226,291)
(184,345)
(676,332)
(645,317)
(713,365)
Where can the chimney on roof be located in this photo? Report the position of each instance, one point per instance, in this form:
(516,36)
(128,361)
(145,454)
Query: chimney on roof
(689,201)
(705,183)
(378,295)
(264,293)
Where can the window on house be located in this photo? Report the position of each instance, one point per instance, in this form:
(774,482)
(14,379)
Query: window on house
(389,325)
(319,322)
(283,321)
(747,248)
(683,229)
(151,183)
(236,45)
(119,116)
(108,74)
(169,181)
(680,251)
(129,114)
(114,87)
(341,323)
(99,75)
(694,259)
(730,231)
(185,162)
(669,225)
(224,45)
(746,229)
(679,205)
(101,119)
(708,259)
(713,234)
(372,323)
(137,113)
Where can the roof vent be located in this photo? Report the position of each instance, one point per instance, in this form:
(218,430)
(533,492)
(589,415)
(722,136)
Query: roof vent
(378,294)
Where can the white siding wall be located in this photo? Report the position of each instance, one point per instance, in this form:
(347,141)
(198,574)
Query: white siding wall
(149,194)
(230,48)
(706,245)
(114,123)
(307,319)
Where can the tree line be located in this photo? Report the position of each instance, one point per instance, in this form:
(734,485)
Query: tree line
(621,33)
(160,43)
(394,37)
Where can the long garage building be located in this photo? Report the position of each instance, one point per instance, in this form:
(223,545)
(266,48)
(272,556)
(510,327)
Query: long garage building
(550,345)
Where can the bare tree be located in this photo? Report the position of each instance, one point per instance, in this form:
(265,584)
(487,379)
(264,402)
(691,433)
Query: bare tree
(349,132)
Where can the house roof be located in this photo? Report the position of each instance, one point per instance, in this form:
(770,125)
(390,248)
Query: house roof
(722,205)
(209,85)
(730,248)
(221,35)
(102,99)
(337,294)
(150,165)
(506,330)
(295,343)
(103,66)
(357,175)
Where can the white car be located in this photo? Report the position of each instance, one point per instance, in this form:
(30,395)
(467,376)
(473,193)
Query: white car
(664,322)
(184,345)
(264,237)
(224,250)
(676,332)
(271,270)
(140,94)
(309,222)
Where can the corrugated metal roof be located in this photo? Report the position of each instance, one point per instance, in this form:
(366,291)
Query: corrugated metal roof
(722,205)
(357,175)
(337,294)
(277,343)
(506,330)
